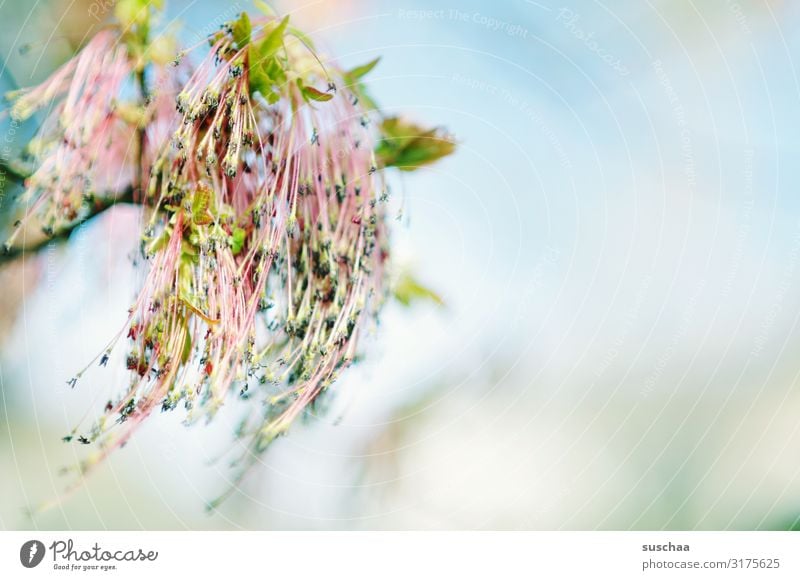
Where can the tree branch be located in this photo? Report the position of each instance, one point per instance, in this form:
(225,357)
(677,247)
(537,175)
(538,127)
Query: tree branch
(17,171)
(100,205)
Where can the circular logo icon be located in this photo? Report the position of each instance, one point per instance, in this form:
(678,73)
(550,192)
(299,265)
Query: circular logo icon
(31,553)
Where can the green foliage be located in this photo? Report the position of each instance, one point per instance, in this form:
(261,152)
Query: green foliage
(241,30)
(273,40)
(301,36)
(267,72)
(202,201)
(135,12)
(408,146)
(237,240)
(352,79)
(178,320)
(312,94)
(187,344)
(359,72)
(408,290)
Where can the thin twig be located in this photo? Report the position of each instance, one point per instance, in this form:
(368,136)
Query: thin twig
(17,171)
(63,234)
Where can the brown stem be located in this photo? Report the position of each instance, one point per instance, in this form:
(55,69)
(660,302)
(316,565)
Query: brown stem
(14,170)
(18,173)
(100,205)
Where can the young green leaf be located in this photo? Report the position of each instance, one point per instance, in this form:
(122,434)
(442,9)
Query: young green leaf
(273,41)
(259,79)
(266,74)
(408,290)
(358,72)
(275,71)
(134,12)
(237,240)
(241,30)
(187,343)
(351,79)
(158,243)
(312,94)
(408,146)
(202,202)
(303,37)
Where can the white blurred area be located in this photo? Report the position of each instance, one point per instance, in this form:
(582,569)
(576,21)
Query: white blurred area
(618,250)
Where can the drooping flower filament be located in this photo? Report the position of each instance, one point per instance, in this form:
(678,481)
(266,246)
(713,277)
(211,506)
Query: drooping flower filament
(266,242)
(84,146)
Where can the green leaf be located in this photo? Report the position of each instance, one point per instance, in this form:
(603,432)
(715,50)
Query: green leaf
(241,30)
(312,94)
(352,78)
(275,71)
(158,243)
(188,252)
(408,290)
(273,41)
(302,36)
(358,72)
(408,146)
(202,202)
(366,100)
(264,75)
(131,12)
(265,69)
(237,240)
(187,344)
(360,91)
(258,78)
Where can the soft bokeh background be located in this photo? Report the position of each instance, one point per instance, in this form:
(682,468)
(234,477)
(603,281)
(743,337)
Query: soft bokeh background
(617,242)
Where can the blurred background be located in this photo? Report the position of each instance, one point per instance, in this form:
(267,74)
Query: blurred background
(616,241)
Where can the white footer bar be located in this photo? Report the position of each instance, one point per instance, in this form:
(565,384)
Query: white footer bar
(388,555)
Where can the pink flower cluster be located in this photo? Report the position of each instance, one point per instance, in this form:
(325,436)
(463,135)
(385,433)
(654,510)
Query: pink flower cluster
(264,233)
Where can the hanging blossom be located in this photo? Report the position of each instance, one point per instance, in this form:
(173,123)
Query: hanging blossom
(87,146)
(266,230)
(83,144)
